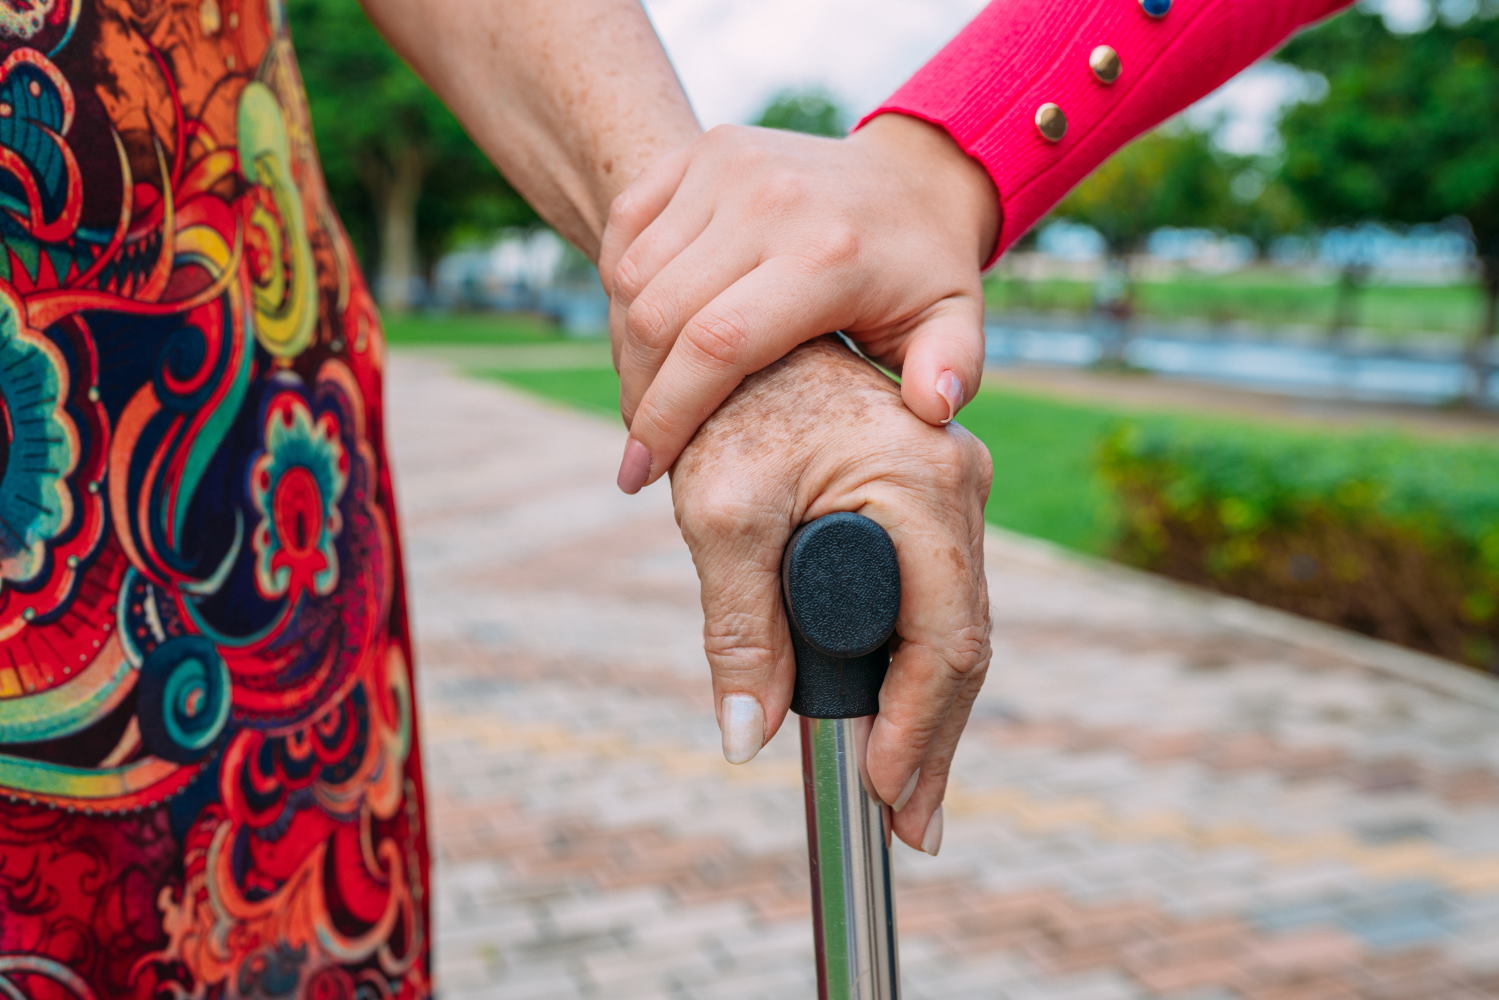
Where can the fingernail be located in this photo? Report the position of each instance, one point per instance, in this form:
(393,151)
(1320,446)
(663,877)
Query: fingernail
(951,390)
(743,723)
(634,468)
(907,792)
(931,841)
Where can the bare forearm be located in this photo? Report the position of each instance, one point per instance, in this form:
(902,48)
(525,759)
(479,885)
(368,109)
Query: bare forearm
(570,99)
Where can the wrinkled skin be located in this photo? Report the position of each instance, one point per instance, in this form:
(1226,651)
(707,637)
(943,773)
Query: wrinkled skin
(818,432)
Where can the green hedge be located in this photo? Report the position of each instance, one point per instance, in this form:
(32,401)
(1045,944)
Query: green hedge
(1389,536)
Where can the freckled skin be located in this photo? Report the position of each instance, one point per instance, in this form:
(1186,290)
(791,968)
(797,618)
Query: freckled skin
(835,396)
(821,431)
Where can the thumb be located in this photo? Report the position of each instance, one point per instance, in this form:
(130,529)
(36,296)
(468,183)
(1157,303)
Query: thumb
(745,634)
(944,359)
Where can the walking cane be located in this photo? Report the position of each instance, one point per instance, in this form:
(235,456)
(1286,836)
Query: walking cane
(842,587)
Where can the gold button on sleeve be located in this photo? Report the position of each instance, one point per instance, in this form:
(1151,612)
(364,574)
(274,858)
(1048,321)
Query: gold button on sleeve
(1051,122)
(1104,62)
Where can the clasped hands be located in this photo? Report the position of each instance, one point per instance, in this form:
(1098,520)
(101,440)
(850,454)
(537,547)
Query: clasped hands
(726,263)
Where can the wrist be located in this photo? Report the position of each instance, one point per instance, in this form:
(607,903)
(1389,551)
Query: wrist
(954,183)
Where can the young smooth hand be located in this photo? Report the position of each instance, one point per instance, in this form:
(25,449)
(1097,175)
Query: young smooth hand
(727,253)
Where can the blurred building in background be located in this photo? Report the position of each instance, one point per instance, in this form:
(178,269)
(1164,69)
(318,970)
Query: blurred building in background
(524,271)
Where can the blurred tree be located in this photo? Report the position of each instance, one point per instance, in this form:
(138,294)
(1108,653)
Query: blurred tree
(1170,177)
(403,174)
(813,111)
(1260,206)
(1406,133)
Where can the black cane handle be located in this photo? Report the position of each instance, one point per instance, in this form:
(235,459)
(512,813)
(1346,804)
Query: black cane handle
(842,587)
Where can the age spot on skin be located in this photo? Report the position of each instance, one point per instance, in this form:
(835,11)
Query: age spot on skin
(831,400)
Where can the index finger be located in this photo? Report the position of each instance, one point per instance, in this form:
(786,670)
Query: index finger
(636,207)
(753,322)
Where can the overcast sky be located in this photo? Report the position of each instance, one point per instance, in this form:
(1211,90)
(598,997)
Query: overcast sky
(733,55)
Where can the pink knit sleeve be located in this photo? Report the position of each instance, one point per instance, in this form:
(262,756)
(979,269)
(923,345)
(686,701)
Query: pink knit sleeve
(988,85)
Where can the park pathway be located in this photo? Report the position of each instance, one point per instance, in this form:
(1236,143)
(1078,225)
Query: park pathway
(1161,794)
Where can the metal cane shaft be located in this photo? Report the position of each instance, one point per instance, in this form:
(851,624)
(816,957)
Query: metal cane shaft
(842,586)
(853,909)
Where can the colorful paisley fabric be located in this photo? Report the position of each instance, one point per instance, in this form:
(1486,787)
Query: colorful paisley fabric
(209,779)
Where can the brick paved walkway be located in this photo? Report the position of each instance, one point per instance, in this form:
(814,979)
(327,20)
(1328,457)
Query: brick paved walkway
(1160,795)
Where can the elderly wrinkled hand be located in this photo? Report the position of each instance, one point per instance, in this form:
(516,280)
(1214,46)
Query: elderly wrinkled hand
(818,432)
(727,253)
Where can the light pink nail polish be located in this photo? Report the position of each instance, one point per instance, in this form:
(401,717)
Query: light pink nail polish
(906,792)
(742,722)
(950,388)
(931,840)
(634,468)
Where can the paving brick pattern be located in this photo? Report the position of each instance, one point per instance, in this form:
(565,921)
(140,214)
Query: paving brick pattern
(1160,795)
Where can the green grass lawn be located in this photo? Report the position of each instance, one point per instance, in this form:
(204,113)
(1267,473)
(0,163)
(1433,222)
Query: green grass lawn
(592,389)
(469,328)
(1271,298)
(1045,482)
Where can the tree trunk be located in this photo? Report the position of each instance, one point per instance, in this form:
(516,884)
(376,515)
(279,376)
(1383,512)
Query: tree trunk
(1481,348)
(1345,306)
(395,201)
(1120,312)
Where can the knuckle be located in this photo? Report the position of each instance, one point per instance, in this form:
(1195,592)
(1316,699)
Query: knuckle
(967,695)
(944,461)
(714,515)
(979,472)
(649,424)
(719,337)
(729,528)
(837,243)
(976,460)
(965,651)
(983,459)
(645,322)
(629,277)
(737,643)
(984,475)
(951,451)
(955,456)
(625,210)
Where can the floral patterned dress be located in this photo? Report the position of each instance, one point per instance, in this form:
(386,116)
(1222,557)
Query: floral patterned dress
(209,781)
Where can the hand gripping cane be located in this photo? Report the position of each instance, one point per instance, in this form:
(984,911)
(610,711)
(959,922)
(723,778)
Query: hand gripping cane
(842,588)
